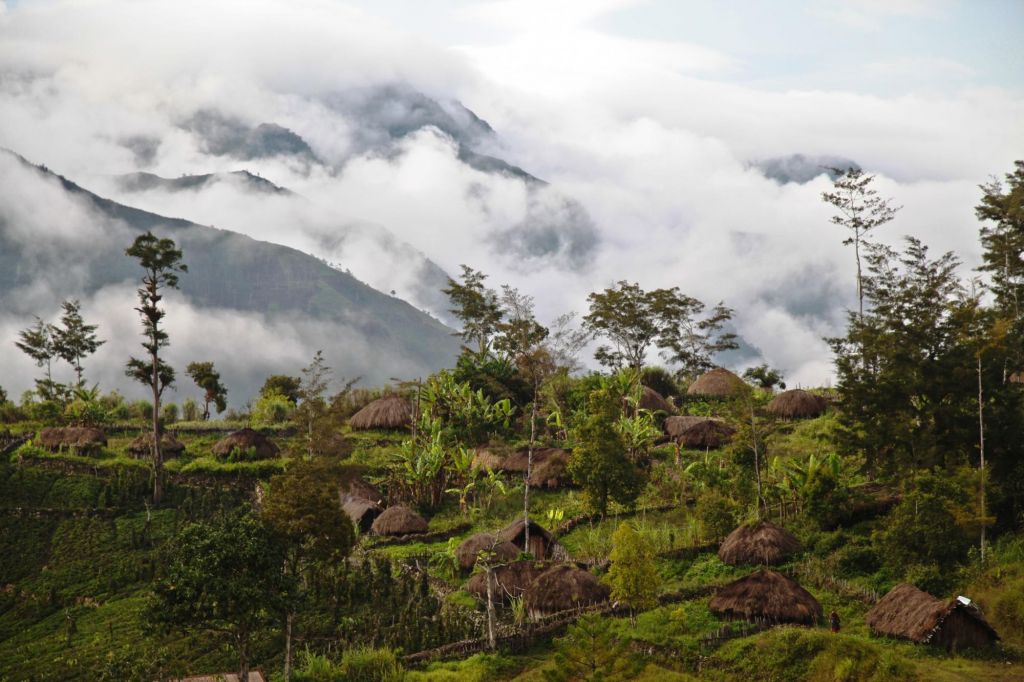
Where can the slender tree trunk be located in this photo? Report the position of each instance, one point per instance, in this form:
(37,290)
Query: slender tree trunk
(981,449)
(529,471)
(492,641)
(757,460)
(158,459)
(860,284)
(243,658)
(288,646)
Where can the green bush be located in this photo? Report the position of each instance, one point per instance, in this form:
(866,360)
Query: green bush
(189,410)
(169,413)
(717,514)
(272,408)
(362,664)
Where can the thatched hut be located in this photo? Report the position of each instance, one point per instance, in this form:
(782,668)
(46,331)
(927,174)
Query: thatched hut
(254,676)
(357,486)
(797,404)
(542,543)
(908,613)
(142,447)
(766,596)
(510,580)
(761,543)
(362,511)
(676,426)
(550,469)
(550,465)
(563,587)
(245,444)
(398,520)
(471,547)
(390,412)
(78,439)
(718,383)
(654,401)
(707,434)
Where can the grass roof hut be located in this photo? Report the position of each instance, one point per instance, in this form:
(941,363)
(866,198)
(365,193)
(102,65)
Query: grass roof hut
(561,588)
(245,444)
(511,580)
(357,486)
(718,383)
(471,547)
(78,439)
(761,543)
(766,596)
(398,520)
(797,404)
(390,412)
(142,446)
(707,434)
(654,401)
(676,426)
(908,613)
(362,511)
(542,543)
(550,468)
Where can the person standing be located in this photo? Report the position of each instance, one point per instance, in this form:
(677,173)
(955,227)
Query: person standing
(833,621)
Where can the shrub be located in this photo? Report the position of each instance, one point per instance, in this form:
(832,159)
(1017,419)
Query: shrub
(272,408)
(659,379)
(361,664)
(189,410)
(169,413)
(142,409)
(716,513)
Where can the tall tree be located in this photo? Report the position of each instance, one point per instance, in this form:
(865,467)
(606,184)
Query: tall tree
(861,210)
(75,339)
(227,579)
(623,315)
(161,263)
(633,575)
(599,462)
(208,379)
(282,384)
(476,306)
(37,342)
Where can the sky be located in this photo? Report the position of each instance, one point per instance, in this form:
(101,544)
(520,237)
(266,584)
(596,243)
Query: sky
(646,119)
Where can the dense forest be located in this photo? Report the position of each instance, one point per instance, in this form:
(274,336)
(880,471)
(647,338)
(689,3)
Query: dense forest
(524,515)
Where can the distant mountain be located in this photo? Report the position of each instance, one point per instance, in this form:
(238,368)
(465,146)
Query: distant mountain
(142,182)
(223,135)
(227,272)
(800,168)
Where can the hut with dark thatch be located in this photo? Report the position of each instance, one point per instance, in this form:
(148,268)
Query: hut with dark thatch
(550,465)
(561,588)
(654,401)
(797,404)
(142,447)
(390,412)
(707,434)
(357,486)
(362,511)
(254,676)
(906,612)
(78,439)
(760,543)
(676,426)
(542,543)
(718,383)
(470,548)
(398,520)
(766,596)
(510,580)
(245,444)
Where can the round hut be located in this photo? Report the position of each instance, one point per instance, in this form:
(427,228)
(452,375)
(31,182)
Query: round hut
(760,543)
(245,444)
(78,439)
(561,588)
(510,580)
(676,426)
(906,612)
(706,434)
(398,520)
(654,401)
(797,404)
(471,547)
(718,383)
(542,543)
(362,511)
(766,596)
(390,412)
(142,446)
(357,486)
(550,469)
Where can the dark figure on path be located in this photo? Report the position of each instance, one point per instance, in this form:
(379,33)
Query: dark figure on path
(833,621)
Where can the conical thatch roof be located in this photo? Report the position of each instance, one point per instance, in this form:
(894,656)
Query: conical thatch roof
(707,434)
(77,438)
(541,541)
(169,445)
(474,544)
(390,412)
(357,486)
(241,441)
(363,512)
(515,461)
(675,426)
(511,580)
(908,613)
(550,469)
(759,543)
(564,587)
(797,404)
(767,596)
(653,401)
(718,383)
(398,520)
